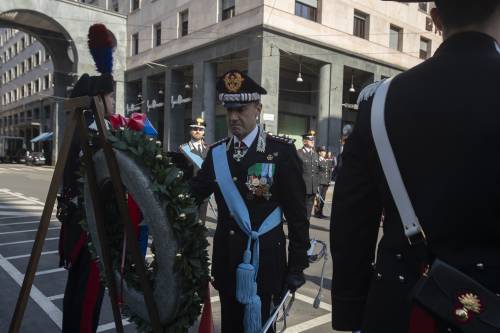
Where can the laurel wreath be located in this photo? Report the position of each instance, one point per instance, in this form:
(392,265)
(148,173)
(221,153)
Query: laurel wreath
(191,261)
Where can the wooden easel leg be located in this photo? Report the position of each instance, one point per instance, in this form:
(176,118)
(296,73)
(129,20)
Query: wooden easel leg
(22,300)
(101,231)
(132,242)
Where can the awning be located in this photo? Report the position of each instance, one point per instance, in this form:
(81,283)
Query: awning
(43,137)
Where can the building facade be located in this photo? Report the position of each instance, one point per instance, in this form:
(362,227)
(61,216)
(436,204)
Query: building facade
(312,56)
(26,73)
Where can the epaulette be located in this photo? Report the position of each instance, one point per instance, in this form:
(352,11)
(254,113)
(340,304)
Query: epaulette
(368,91)
(219,142)
(281,138)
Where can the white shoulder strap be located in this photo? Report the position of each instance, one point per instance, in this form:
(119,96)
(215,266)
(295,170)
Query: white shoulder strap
(386,155)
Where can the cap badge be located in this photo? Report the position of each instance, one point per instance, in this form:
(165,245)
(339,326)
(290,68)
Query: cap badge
(470,303)
(233,82)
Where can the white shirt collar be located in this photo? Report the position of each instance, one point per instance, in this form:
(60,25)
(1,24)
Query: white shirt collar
(196,144)
(250,138)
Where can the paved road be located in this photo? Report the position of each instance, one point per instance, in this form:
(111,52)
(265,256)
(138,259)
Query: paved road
(22,195)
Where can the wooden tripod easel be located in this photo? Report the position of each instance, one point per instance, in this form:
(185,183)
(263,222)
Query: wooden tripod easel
(76,106)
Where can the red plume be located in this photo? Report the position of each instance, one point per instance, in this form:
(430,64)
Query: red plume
(99,36)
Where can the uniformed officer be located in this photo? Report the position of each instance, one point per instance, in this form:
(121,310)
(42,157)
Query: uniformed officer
(84,292)
(442,119)
(310,164)
(195,151)
(196,145)
(325,176)
(256,178)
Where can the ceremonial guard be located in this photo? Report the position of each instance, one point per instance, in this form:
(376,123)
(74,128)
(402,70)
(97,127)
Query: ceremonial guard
(256,179)
(325,176)
(424,152)
(195,149)
(310,165)
(84,292)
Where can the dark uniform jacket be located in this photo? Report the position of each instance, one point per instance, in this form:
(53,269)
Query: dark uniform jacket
(443,121)
(310,163)
(190,169)
(287,192)
(325,171)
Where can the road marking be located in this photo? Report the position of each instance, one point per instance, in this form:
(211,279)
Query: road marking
(307,325)
(27,241)
(21,208)
(56,297)
(21,231)
(27,222)
(108,326)
(19,216)
(20,195)
(310,300)
(50,271)
(36,295)
(29,255)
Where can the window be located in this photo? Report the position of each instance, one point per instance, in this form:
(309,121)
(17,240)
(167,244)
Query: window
(46,82)
(15,71)
(37,59)
(115,6)
(425,48)
(36,87)
(29,89)
(157,34)
(184,23)
(228,9)
(23,91)
(37,113)
(396,38)
(307,9)
(361,24)
(29,64)
(23,43)
(135,4)
(135,44)
(423,6)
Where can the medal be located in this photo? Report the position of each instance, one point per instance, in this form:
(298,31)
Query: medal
(263,181)
(255,181)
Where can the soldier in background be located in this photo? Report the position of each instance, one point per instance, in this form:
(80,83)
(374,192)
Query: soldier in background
(195,150)
(325,175)
(310,166)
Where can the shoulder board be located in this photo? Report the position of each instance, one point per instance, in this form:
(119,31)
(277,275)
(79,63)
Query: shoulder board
(219,142)
(282,139)
(368,91)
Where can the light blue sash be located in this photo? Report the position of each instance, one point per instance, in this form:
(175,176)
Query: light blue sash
(246,275)
(195,159)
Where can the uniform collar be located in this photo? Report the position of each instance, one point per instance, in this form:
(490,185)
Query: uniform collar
(250,138)
(469,42)
(195,143)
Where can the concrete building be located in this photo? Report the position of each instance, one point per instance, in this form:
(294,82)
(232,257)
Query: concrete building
(178,48)
(26,73)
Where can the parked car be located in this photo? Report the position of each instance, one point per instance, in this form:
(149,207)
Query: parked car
(35,158)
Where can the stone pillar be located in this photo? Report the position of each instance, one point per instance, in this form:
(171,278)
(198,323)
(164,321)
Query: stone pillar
(145,93)
(198,87)
(335,115)
(120,97)
(209,100)
(264,68)
(174,116)
(324,105)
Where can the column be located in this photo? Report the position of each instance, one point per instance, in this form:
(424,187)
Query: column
(209,100)
(335,118)
(120,97)
(198,87)
(174,116)
(324,106)
(264,68)
(145,85)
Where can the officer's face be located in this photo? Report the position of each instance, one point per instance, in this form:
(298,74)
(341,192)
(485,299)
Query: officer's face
(109,101)
(309,143)
(243,120)
(322,153)
(197,133)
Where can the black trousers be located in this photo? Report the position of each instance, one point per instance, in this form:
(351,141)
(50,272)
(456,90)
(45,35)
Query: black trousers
(318,209)
(83,296)
(232,313)
(309,204)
